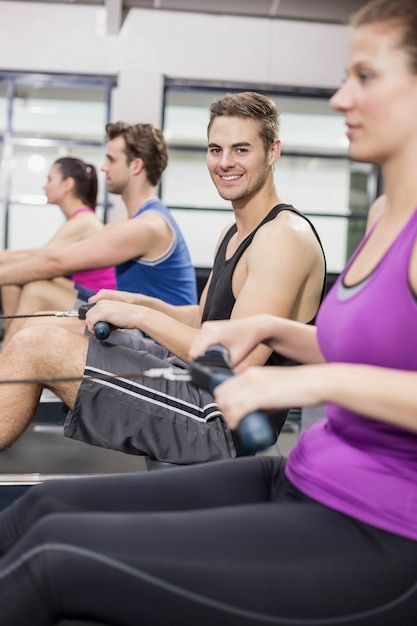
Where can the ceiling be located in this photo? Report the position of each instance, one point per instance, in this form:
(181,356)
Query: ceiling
(332,11)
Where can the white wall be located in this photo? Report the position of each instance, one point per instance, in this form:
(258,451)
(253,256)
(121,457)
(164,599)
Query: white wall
(152,44)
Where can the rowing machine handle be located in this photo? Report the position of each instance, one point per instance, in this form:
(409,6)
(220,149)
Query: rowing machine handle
(211,369)
(101,329)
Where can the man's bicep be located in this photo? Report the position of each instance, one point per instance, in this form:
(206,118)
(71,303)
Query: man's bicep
(96,251)
(265,293)
(278,266)
(115,245)
(272,282)
(254,298)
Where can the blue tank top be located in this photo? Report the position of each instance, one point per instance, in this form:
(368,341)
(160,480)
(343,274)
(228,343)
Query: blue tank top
(362,467)
(170,277)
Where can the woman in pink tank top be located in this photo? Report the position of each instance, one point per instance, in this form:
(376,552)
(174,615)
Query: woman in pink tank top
(72,185)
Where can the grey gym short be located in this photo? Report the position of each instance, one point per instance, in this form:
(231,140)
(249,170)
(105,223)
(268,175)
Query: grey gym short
(167,420)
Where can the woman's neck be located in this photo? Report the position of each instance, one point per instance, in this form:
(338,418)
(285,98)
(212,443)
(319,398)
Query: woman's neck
(71,206)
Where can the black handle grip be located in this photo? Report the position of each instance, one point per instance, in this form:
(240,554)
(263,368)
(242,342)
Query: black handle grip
(212,368)
(255,429)
(101,329)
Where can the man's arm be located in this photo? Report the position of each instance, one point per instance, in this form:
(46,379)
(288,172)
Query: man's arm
(281,274)
(128,240)
(174,327)
(11,256)
(173,335)
(188,314)
(283,277)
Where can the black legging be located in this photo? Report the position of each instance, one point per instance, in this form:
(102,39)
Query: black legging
(227,543)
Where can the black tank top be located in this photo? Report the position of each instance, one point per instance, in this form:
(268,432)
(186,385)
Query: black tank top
(220,299)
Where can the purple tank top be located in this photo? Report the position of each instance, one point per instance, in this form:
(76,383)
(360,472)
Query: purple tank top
(361,467)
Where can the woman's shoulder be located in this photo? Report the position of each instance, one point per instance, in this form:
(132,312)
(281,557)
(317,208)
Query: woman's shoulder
(375,211)
(81,226)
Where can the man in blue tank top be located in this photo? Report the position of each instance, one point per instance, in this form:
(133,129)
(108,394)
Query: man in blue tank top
(270,260)
(146,246)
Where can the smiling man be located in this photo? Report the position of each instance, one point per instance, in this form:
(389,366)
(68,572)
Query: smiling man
(269,260)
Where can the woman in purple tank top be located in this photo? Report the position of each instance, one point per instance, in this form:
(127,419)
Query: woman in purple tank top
(346,525)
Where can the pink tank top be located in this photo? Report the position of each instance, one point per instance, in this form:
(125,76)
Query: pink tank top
(359,466)
(104,278)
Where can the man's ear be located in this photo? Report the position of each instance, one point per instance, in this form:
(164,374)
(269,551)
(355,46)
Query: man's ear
(137,166)
(275,151)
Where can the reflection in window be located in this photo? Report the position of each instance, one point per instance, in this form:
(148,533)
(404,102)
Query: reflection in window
(3,108)
(24,224)
(300,180)
(60,112)
(42,118)
(309,125)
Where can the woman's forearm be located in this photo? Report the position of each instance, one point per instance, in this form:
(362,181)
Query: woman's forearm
(294,340)
(377,393)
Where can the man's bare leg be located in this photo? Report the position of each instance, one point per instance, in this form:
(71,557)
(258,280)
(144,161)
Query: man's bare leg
(42,295)
(10,298)
(37,352)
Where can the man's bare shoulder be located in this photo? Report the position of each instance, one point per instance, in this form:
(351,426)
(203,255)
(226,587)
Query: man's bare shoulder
(287,244)
(149,217)
(287,224)
(116,222)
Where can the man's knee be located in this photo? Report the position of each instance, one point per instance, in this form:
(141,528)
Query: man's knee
(72,324)
(25,340)
(33,291)
(52,355)
(45,341)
